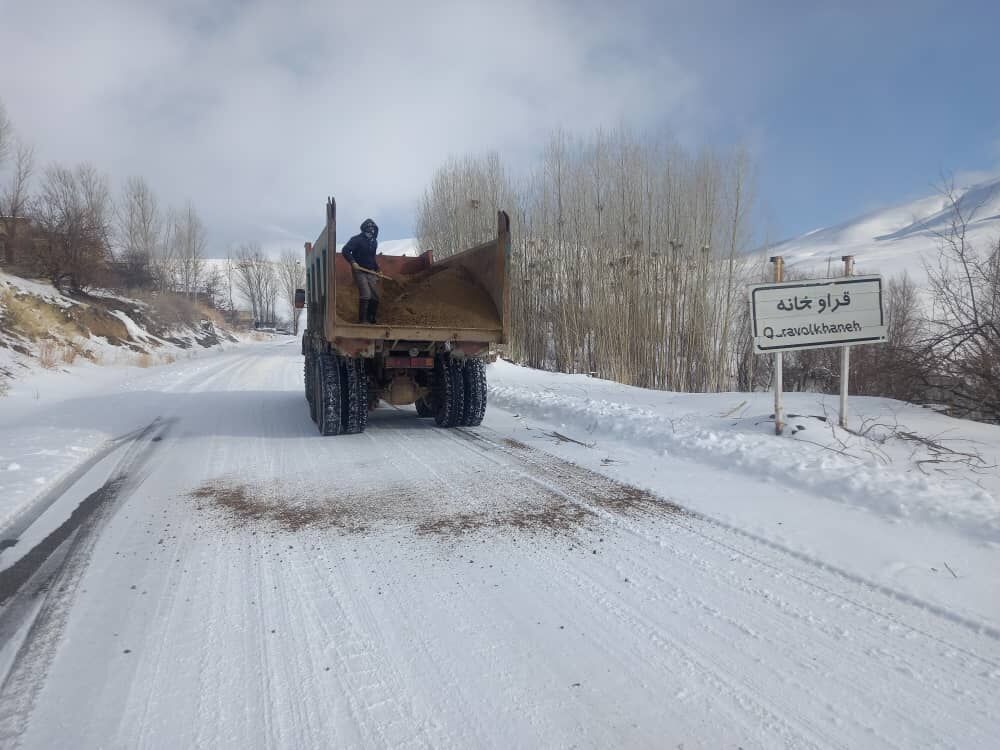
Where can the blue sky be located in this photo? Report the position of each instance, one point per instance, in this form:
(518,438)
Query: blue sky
(852,109)
(255,111)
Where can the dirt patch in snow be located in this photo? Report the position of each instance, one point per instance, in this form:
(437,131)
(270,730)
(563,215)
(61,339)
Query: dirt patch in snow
(622,498)
(243,505)
(592,488)
(557,515)
(246,506)
(511,443)
(560,500)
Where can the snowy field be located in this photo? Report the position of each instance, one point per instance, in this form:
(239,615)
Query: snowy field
(595,566)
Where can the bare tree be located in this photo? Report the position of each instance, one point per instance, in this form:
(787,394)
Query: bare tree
(228,283)
(140,231)
(270,289)
(213,285)
(164,263)
(74,213)
(292,276)
(188,240)
(256,281)
(628,260)
(962,345)
(14,200)
(458,210)
(6,134)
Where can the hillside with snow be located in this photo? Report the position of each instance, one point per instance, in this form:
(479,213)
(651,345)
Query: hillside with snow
(43,328)
(893,240)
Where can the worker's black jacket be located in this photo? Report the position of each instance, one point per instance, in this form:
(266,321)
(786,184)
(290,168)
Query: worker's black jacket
(361,250)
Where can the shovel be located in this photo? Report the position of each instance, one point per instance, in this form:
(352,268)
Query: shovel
(375,273)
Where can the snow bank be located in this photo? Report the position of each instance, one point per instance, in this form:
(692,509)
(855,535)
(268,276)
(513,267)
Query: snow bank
(881,472)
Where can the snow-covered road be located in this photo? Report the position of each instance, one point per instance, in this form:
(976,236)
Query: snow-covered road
(234,580)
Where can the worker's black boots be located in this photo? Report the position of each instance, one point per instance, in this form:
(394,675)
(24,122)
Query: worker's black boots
(366,310)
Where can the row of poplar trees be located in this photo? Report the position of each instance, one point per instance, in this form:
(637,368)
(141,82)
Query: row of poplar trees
(628,259)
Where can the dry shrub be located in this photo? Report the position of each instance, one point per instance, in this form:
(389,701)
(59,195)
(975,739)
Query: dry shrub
(70,353)
(31,316)
(48,353)
(212,314)
(171,311)
(95,321)
(149,359)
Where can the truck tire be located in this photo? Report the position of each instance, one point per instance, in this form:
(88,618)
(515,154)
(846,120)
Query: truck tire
(449,393)
(310,378)
(424,408)
(474,382)
(362,388)
(308,373)
(329,398)
(354,390)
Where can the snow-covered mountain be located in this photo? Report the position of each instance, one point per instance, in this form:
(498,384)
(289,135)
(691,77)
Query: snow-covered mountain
(898,239)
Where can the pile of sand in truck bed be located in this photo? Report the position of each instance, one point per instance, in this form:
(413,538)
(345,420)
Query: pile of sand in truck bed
(446,297)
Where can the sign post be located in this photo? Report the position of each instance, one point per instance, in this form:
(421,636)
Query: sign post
(845,353)
(779,415)
(811,314)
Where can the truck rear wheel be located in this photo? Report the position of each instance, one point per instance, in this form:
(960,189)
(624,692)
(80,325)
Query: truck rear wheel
(449,393)
(308,373)
(354,390)
(474,383)
(424,408)
(329,399)
(310,383)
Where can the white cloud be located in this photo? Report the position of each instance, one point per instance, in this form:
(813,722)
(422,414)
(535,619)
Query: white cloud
(258,111)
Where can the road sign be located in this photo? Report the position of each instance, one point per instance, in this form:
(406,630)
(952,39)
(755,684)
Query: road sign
(820,313)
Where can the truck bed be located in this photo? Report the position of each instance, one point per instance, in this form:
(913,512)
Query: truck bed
(461,298)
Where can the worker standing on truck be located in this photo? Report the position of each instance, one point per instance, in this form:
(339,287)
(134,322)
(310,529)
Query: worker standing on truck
(360,253)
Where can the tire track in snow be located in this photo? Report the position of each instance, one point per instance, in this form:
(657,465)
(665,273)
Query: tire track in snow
(545,463)
(151,673)
(372,696)
(68,548)
(427,649)
(703,667)
(956,663)
(743,697)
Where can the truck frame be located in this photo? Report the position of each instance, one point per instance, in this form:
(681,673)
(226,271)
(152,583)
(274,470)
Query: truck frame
(350,367)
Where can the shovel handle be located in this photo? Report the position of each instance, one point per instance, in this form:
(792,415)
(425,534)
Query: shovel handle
(375,273)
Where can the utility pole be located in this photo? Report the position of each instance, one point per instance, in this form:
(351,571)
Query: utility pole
(845,354)
(779,408)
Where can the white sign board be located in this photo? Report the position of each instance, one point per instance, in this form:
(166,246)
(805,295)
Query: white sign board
(811,314)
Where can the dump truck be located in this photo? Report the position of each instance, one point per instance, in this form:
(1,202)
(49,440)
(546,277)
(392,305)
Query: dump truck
(438,323)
